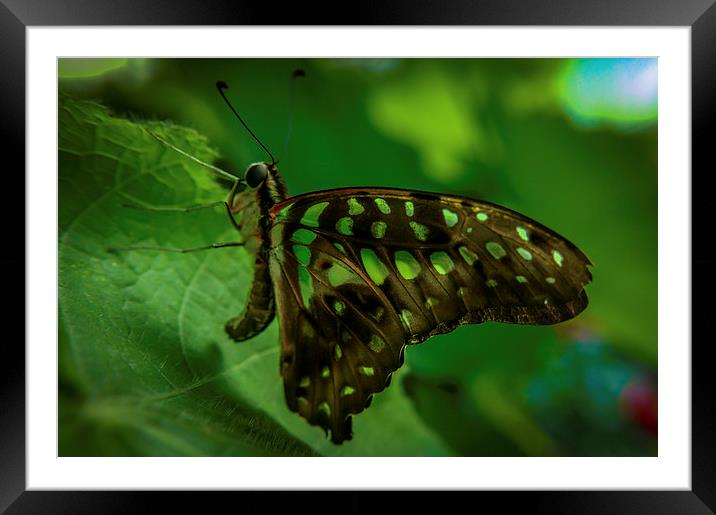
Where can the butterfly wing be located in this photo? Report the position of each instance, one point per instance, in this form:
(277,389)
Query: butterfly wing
(360,273)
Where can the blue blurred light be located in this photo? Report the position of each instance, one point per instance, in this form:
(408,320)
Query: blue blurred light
(618,92)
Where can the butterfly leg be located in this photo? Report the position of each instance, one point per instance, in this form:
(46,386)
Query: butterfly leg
(229,212)
(179,251)
(173,209)
(189,209)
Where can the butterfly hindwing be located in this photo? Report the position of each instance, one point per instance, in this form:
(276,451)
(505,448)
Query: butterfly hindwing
(365,269)
(339,341)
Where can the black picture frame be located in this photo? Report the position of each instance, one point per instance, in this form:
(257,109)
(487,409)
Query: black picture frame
(17,15)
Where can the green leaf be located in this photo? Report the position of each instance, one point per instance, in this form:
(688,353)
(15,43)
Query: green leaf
(431,111)
(145,365)
(86,68)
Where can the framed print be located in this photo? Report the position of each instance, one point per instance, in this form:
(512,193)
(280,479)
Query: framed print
(402,262)
(249,242)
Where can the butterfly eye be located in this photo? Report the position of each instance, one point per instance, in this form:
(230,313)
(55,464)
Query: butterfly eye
(256,175)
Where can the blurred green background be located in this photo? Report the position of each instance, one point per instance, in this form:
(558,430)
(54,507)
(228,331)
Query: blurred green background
(145,368)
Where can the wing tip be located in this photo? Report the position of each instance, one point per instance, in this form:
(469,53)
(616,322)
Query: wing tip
(337,435)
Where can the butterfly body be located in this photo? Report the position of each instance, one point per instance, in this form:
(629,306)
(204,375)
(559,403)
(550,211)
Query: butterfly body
(253,206)
(356,274)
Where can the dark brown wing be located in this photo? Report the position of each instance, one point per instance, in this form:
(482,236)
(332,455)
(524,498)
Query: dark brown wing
(360,273)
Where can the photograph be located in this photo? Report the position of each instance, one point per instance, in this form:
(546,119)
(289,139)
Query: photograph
(378,257)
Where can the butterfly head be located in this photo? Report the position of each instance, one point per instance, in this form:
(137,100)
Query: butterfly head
(264,177)
(256,174)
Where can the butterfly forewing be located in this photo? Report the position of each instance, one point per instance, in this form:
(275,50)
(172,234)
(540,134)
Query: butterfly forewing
(360,273)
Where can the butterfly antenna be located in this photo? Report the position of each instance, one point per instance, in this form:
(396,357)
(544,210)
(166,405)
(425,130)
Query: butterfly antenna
(221,173)
(221,86)
(291,89)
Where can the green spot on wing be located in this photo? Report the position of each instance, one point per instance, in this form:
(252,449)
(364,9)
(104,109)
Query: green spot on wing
(347,390)
(337,352)
(366,371)
(339,274)
(441,262)
(407,265)
(522,232)
(383,206)
(495,249)
(374,267)
(305,285)
(305,382)
(354,207)
(557,257)
(340,247)
(491,283)
(310,217)
(325,408)
(283,213)
(481,216)
(450,217)
(304,236)
(421,232)
(524,254)
(551,280)
(409,208)
(469,256)
(378,229)
(303,254)
(376,343)
(408,320)
(345,226)
(325,372)
(339,307)
(521,278)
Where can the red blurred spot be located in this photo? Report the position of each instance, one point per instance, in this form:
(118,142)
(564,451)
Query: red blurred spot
(639,401)
(577,332)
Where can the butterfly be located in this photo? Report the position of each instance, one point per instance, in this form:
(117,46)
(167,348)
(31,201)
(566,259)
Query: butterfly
(354,275)
(357,274)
